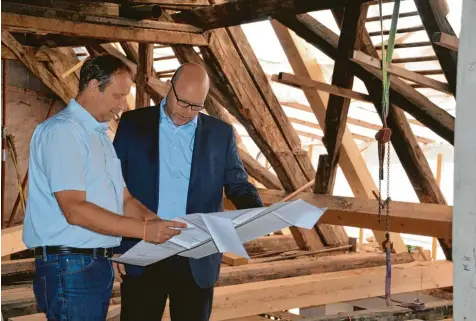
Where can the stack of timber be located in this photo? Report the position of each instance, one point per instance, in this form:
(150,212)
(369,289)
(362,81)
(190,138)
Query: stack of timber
(270,283)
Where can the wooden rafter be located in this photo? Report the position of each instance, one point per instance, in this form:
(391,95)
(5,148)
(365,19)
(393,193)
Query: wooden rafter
(351,161)
(434,19)
(233,13)
(34,53)
(406,97)
(338,106)
(366,60)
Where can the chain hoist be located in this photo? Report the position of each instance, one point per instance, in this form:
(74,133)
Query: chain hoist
(383,138)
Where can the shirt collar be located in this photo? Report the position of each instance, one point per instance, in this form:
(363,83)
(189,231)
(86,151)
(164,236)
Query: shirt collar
(86,119)
(165,117)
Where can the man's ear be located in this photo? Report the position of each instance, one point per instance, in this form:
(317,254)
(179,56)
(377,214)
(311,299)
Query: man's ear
(94,84)
(168,85)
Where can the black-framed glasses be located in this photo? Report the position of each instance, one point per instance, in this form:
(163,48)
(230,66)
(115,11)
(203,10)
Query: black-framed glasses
(186,104)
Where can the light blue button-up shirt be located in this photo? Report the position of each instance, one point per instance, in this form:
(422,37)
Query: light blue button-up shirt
(71,151)
(175,154)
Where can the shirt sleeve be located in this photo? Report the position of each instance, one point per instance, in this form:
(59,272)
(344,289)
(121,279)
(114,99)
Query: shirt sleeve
(63,158)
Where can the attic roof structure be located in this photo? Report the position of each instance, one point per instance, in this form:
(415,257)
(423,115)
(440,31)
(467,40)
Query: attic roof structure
(301,82)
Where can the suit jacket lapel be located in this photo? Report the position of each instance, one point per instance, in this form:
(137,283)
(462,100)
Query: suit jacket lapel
(201,137)
(152,129)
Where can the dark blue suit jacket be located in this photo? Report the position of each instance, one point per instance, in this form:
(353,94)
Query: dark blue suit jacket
(215,165)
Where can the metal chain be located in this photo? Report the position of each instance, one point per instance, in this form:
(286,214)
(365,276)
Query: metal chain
(387,205)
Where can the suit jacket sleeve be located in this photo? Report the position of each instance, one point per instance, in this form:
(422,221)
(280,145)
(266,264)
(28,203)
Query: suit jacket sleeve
(242,193)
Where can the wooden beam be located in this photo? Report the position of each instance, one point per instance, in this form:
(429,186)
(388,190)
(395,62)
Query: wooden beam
(412,218)
(389,17)
(34,53)
(433,17)
(407,45)
(223,57)
(404,96)
(233,259)
(351,161)
(144,72)
(403,30)
(233,13)
(464,217)
(445,40)
(93,8)
(140,11)
(38,69)
(297,81)
(257,272)
(12,240)
(368,61)
(338,107)
(24,19)
(258,172)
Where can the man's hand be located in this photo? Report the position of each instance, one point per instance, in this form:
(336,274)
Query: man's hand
(159,231)
(119,269)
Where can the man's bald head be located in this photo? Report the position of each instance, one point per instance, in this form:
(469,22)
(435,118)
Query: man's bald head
(189,86)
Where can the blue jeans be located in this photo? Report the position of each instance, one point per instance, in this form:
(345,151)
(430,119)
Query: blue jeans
(73,287)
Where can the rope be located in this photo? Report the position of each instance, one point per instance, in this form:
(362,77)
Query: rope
(383,137)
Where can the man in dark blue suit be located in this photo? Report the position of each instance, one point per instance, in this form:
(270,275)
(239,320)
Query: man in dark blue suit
(177,161)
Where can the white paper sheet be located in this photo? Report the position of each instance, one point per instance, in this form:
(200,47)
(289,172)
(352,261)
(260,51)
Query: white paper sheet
(221,232)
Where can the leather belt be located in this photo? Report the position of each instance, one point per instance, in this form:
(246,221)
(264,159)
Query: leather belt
(58,250)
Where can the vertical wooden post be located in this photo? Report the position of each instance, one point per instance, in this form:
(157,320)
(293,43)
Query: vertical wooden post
(144,70)
(4,141)
(464,213)
(439,159)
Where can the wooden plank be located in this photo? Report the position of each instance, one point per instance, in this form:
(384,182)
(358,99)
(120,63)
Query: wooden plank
(365,60)
(112,315)
(18,266)
(412,218)
(233,13)
(433,17)
(464,230)
(144,71)
(293,80)
(37,69)
(257,272)
(36,54)
(233,259)
(96,29)
(445,40)
(222,56)
(258,172)
(402,30)
(12,240)
(351,161)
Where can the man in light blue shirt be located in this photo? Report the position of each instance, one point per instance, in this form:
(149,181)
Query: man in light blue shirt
(78,206)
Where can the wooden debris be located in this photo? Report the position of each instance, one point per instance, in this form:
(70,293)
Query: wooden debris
(233,259)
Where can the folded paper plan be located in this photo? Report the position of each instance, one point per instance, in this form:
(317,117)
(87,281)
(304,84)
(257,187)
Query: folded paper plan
(224,231)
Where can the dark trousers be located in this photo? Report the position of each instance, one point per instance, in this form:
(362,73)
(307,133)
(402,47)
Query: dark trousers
(143,298)
(73,287)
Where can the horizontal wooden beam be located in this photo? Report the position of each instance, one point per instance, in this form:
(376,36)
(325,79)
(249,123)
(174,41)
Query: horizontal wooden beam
(388,17)
(407,45)
(411,218)
(414,59)
(403,30)
(297,81)
(233,13)
(96,27)
(445,40)
(12,240)
(366,60)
